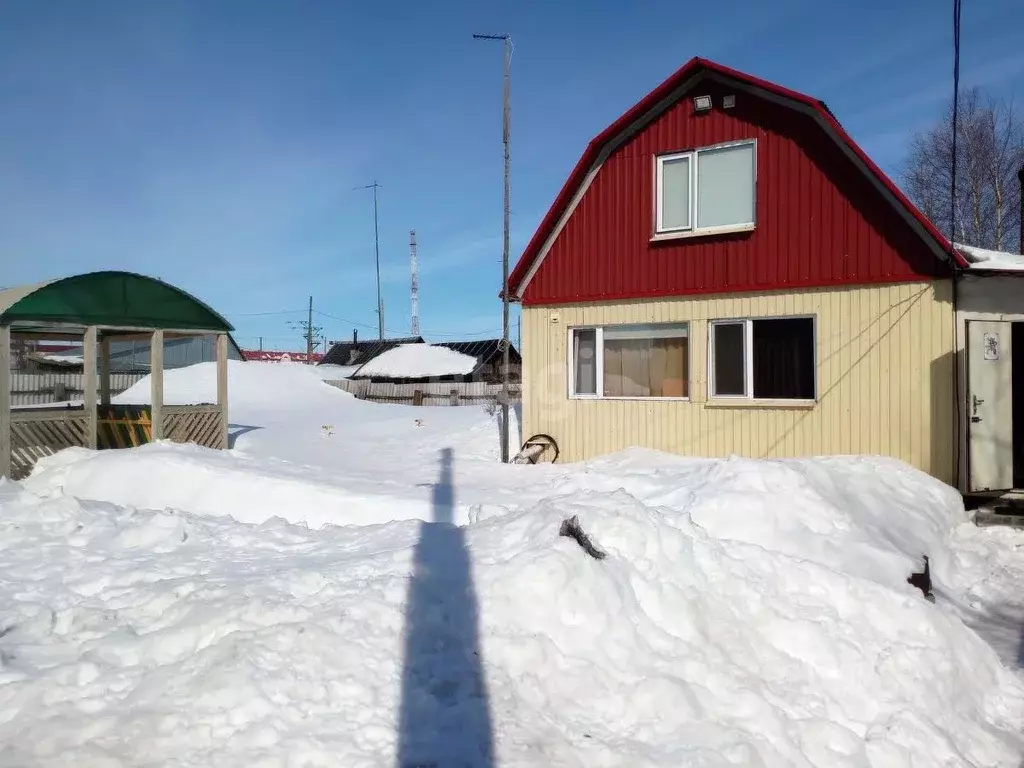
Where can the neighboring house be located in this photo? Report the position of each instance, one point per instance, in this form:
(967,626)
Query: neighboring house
(418,363)
(356,352)
(488,354)
(726,272)
(275,356)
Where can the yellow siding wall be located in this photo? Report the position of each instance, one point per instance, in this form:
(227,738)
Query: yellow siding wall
(884,382)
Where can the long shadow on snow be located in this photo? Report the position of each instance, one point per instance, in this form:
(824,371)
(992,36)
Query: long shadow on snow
(445,717)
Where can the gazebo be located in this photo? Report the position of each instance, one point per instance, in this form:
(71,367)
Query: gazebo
(96,308)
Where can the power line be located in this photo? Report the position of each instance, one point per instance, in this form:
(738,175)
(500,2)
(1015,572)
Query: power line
(490,332)
(264,314)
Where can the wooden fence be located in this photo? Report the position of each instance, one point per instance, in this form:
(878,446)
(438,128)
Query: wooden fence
(44,388)
(35,434)
(429,393)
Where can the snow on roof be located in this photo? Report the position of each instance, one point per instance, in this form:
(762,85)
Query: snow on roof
(981,258)
(59,359)
(417,361)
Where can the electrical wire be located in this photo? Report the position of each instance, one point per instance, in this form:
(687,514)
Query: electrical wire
(392,330)
(265,314)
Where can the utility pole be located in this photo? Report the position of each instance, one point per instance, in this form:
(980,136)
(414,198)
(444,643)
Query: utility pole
(506,131)
(376,255)
(415,298)
(309,333)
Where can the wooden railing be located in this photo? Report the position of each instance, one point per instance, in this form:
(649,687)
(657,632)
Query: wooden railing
(199,424)
(43,432)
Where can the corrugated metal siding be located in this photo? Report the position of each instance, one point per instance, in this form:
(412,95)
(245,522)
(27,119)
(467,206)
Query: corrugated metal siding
(178,353)
(42,388)
(819,220)
(885,379)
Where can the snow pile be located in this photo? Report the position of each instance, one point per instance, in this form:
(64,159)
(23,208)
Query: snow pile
(748,613)
(417,361)
(331,372)
(251,385)
(981,258)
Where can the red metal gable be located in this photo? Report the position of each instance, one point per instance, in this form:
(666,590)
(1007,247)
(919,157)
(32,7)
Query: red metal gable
(825,213)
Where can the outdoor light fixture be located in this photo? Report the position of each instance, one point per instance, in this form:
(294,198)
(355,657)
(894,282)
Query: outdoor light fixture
(728,102)
(702,103)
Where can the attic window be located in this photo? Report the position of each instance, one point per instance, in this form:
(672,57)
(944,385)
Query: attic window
(706,190)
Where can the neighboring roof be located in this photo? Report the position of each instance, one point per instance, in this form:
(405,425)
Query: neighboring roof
(662,98)
(983,260)
(353,352)
(483,350)
(275,356)
(417,361)
(120,299)
(57,361)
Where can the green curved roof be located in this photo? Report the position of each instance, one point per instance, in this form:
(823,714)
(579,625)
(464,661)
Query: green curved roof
(120,299)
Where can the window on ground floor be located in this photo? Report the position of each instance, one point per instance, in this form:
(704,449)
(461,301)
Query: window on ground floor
(767,359)
(630,361)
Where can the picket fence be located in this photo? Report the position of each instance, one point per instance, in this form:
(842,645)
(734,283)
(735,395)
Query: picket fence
(429,393)
(44,388)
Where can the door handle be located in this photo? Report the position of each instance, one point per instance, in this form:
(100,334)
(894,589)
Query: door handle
(975,402)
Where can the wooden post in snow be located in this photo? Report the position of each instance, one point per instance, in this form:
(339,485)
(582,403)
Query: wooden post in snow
(105,371)
(5,401)
(89,386)
(222,386)
(156,384)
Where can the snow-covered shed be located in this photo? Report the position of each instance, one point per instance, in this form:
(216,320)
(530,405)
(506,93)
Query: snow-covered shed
(415,363)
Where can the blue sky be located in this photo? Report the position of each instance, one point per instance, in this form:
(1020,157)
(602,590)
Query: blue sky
(216,143)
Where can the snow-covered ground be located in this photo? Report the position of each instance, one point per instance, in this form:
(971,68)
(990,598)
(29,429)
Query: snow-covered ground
(166,606)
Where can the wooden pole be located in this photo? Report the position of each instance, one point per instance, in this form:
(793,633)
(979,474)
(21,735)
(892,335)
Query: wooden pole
(90,386)
(504,261)
(222,386)
(105,370)
(5,401)
(156,383)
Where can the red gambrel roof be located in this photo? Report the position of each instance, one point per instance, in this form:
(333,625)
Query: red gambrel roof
(659,100)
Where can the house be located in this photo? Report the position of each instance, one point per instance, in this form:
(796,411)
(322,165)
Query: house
(354,353)
(726,272)
(488,354)
(277,356)
(454,361)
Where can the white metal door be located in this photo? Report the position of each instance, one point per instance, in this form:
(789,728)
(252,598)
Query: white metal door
(990,405)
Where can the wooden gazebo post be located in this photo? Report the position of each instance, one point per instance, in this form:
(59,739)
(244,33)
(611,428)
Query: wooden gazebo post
(89,385)
(5,401)
(105,370)
(156,384)
(222,386)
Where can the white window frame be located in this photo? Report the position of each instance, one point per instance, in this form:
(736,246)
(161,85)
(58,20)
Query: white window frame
(599,359)
(748,358)
(660,231)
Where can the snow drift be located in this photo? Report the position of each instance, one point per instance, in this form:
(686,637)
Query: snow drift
(251,385)
(748,613)
(417,361)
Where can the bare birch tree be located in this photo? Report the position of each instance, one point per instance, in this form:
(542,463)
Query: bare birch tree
(990,151)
